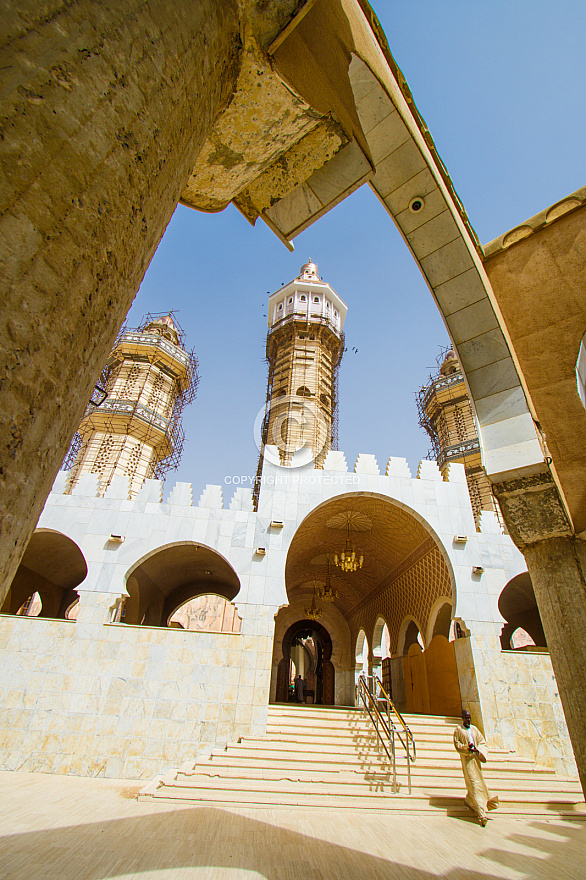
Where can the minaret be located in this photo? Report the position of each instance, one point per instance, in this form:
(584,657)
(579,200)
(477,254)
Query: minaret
(136,432)
(446,414)
(305,344)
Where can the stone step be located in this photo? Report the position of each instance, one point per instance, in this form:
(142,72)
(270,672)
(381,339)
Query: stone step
(503,784)
(302,758)
(424,801)
(359,721)
(371,760)
(328,759)
(323,745)
(260,763)
(341,734)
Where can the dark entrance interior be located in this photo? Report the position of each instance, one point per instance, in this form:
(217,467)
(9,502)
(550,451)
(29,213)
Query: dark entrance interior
(319,673)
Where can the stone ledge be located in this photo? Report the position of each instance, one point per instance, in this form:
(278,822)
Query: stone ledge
(539,221)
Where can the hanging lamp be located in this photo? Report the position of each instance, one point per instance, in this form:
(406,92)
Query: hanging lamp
(327,593)
(314,611)
(349,559)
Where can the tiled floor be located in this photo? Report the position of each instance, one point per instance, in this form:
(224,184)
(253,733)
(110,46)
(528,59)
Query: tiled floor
(70,828)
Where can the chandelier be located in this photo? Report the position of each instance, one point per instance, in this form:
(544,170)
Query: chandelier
(349,559)
(327,593)
(313,612)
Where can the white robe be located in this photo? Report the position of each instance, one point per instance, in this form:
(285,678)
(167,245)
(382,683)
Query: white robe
(478,796)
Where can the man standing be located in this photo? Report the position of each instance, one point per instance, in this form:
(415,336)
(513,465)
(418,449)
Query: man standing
(472,748)
(299,689)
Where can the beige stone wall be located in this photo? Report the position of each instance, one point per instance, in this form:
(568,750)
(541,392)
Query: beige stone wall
(513,696)
(97,699)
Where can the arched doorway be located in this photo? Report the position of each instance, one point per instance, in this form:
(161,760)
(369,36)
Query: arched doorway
(309,642)
(405,570)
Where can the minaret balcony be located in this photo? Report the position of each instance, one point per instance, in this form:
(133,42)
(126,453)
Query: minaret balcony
(465,452)
(304,318)
(441,388)
(157,350)
(131,418)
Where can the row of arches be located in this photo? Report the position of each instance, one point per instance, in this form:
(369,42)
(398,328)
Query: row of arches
(192,586)
(183,586)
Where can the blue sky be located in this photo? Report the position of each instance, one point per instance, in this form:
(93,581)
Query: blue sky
(501,87)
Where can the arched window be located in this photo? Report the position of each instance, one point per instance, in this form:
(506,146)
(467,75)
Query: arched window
(303,391)
(381,639)
(409,634)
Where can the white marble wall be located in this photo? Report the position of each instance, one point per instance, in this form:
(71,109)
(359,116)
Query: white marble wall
(73,680)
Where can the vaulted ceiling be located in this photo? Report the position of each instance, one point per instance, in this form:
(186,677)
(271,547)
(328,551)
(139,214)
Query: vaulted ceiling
(389,537)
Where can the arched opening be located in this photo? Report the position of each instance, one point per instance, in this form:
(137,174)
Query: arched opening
(46,580)
(520,639)
(412,636)
(361,655)
(165,580)
(381,640)
(440,620)
(303,391)
(404,572)
(210,613)
(518,606)
(381,651)
(306,651)
(31,607)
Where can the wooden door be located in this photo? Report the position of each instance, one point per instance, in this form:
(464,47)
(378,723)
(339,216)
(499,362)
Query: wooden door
(282,695)
(416,695)
(329,684)
(442,677)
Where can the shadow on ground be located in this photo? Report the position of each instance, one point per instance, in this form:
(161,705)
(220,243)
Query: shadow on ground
(197,841)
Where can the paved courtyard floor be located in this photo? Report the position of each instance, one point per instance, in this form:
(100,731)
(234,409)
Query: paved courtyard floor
(71,828)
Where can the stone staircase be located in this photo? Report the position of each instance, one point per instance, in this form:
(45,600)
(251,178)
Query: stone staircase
(327,758)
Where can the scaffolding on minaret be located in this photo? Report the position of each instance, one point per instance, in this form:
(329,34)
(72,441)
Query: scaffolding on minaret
(304,348)
(446,415)
(136,431)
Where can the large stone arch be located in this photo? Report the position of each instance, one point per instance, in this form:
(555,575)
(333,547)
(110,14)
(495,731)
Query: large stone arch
(166,577)
(406,568)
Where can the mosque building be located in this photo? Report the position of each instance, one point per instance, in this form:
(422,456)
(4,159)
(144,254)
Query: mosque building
(163,630)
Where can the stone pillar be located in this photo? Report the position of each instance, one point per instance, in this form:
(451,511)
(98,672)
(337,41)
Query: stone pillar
(104,111)
(558,567)
(556,560)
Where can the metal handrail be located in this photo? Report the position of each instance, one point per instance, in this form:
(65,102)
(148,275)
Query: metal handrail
(391,705)
(376,718)
(370,702)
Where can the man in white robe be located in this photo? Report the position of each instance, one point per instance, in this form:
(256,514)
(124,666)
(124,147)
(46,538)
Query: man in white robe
(471,746)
